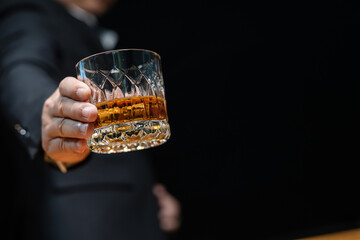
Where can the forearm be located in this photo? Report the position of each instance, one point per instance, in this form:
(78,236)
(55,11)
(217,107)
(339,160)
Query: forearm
(23,90)
(28,72)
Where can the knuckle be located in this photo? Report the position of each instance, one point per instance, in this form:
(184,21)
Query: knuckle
(75,109)
(47,105)
(61,106)
(45,146)
(67,145)
(60,127)
(62,86)
(46,129)
(62,145)
(43,121)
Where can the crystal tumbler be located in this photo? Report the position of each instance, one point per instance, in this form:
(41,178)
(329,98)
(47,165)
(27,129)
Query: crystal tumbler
(127,88)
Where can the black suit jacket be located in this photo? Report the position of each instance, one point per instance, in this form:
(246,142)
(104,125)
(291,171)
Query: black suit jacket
(106,197)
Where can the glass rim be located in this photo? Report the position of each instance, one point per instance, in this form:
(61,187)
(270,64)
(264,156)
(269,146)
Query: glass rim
(117,50)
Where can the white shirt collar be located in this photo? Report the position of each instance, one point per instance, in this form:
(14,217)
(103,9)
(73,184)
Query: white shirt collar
(108,38)
(82,15)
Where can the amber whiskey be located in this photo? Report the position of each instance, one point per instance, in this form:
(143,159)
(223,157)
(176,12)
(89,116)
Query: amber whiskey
(128,124)
(130,109)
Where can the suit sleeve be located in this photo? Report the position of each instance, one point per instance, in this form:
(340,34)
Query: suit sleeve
(27,72)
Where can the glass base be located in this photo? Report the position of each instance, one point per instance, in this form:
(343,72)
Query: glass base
(129,136)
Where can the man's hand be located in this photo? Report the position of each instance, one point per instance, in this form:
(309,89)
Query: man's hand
(169,209)
(67,118)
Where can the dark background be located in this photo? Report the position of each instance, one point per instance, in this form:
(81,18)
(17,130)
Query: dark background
(262,101)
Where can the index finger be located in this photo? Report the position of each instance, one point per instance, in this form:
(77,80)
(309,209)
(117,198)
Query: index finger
(72,88)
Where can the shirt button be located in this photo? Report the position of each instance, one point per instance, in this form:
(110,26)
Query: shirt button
(21,130)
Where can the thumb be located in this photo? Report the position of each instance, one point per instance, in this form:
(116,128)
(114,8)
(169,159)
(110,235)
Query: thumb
(159,191)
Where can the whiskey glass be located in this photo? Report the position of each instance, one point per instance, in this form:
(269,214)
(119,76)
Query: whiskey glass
(127,87)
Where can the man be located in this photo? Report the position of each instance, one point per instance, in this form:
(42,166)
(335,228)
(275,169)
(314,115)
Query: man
(100,196)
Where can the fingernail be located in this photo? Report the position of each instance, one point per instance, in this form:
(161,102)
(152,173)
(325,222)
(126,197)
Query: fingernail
(86,112)
(83,128)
